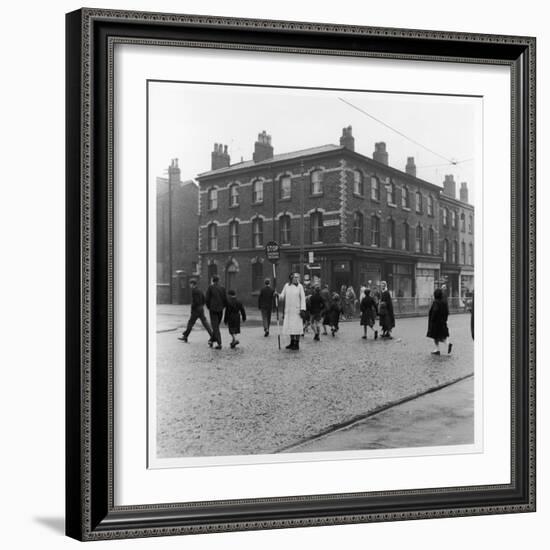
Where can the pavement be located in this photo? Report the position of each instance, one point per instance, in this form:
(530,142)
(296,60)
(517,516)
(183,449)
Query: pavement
(440,417)
(257,399)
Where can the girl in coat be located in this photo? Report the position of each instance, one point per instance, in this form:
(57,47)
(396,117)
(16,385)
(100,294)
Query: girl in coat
(232,318)
(369,311)
(437,322)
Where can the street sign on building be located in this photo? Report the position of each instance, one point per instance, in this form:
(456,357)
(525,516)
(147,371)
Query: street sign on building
(331,223)
(310,257)
(272,252)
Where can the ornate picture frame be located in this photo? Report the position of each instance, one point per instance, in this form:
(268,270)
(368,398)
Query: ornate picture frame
(91,509)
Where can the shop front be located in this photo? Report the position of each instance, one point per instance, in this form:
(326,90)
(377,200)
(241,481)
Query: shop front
(426,281)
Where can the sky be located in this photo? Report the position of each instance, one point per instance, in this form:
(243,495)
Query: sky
(186,119)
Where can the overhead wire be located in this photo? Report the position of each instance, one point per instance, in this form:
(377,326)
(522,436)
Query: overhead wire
(449,161)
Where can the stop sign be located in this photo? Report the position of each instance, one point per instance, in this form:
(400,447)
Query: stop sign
(272,252)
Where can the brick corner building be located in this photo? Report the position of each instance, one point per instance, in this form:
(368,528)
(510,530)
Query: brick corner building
(340,217)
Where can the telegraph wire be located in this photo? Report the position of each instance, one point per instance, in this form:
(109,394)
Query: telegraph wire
(449,161)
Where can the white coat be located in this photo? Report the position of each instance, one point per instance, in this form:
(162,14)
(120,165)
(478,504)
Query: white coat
(295,301)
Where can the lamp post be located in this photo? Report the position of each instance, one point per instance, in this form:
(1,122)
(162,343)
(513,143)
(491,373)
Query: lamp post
(170,259)
(302,228)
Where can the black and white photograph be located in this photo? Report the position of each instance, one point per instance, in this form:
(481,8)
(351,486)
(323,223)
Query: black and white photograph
(311,273)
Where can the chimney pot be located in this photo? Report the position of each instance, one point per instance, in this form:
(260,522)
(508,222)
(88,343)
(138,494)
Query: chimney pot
(449,186)
(464,192)
(380,154)
(263,149)
(410,167)
(220,157)
(347,140)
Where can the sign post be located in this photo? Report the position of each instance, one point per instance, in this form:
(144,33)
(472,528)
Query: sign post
(273,254)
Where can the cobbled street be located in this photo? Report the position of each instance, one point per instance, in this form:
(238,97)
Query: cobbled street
(257,399)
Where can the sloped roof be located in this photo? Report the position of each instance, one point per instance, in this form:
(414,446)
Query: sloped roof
(276,158)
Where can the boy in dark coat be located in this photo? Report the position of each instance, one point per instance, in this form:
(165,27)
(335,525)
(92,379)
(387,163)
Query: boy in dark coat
(232,318)
(369,311)
(265,305)
(437,321)
(325,295)
(315,306)
(334,312)
(216,300)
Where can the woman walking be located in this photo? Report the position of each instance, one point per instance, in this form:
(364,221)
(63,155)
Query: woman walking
(294,310)
(369,311)
(385,311)
(437,322)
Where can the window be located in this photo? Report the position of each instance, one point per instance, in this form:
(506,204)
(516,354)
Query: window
(285,187)
(257,191)
(212,199)
(445,250)
(317,182)
(462,252)
(445,216)
(257,274)
(234,234)
(212,237)
(375,230)
(390,196)
(316,225)
(405,201)
(358,186)
(430,205)
(471,254)
(257,232)
(430,241)
(358,228)
(418,202)
(234,195)
(470,224)
(418,240)
(212,270)
(462,222)
(391,234)
(453,219)
(454,257)
(375,188)
(405,240)
(284,229)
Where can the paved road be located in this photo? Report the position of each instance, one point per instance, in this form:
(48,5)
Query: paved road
(256,399)
(442,417)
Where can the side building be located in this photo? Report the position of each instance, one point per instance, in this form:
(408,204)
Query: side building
(457,240)
(340,217)
(177,234)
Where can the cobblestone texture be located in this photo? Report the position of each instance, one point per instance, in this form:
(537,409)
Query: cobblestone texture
(258,400)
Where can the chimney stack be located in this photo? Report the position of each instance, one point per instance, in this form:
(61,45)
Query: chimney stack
(174,172)
(449,186)
(220,157)
(380,154)
(263,149)
(464,192)
(410,167)
(347,140)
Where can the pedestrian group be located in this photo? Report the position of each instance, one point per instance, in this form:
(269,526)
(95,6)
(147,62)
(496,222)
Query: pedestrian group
(315,308)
